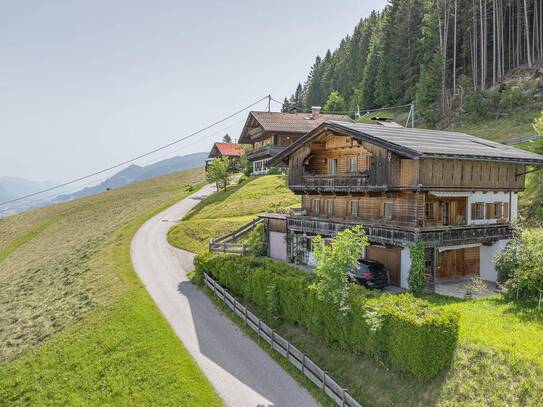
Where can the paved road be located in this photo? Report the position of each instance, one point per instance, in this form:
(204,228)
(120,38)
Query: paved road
(241,372)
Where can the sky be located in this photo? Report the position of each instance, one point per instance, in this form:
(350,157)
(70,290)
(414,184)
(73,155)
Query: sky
(87,84)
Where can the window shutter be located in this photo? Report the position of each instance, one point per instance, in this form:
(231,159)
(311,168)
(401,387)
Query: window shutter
(382,210)
(506,210)
(488,211)
(473,211)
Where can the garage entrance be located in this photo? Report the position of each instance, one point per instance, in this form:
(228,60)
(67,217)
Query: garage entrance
(458,262)
(390,257)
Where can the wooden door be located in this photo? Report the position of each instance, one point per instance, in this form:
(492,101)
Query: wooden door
(390,257)
(451,263)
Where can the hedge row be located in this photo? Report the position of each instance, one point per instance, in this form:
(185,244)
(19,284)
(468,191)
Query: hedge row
(402,330)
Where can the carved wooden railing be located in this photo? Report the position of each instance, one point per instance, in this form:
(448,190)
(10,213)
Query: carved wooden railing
(264,151)
(404,235)
(354,182)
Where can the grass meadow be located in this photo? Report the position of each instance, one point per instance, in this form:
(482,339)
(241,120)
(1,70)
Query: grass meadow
(76,325)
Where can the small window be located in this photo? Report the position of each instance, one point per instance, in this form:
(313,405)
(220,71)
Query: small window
(352,164)
(479,210)
(387,210)
(317,206)
(429,210)
(499,210)
(333,166)
(354,208)
(329,207)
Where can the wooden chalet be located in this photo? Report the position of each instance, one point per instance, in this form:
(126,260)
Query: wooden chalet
(269,133)
(455,192)
(232,151)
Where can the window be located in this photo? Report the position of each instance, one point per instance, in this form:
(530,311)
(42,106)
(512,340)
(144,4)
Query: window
(352,164)
(478,210)
(429,210)
(333,166)
(387,210)
(329,207)
(317,206)
(499,210)
(354,208)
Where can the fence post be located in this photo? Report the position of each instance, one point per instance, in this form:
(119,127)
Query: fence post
(245,316)
(288,350)
(324,380)
(259,333)
(303,363)
(343,398)
(272,339)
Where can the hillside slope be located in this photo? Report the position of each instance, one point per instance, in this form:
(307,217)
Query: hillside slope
(224,212)
(72,309)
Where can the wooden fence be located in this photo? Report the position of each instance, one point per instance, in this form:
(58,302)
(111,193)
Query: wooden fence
(297,358)
(228,244)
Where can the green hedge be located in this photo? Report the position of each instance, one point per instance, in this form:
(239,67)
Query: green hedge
(402,330)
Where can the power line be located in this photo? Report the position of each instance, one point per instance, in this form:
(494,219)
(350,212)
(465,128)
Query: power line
(346,111)
(136,158)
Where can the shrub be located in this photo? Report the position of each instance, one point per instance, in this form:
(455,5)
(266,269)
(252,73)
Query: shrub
(274,171)
(402,330)
(521,264)
(242,179)
(417,274)
(256,240)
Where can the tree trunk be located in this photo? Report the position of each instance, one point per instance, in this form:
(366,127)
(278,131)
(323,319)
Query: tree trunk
(454,47)
(528,50)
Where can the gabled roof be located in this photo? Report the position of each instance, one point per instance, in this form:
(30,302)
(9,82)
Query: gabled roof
(226,149)
(301,123)
(422,143)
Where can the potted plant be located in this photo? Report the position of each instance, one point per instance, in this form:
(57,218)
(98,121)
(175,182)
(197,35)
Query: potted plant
(475,286)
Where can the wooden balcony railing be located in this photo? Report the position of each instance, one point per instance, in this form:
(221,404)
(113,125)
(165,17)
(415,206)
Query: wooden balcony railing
(355,182)
(264,152)
(405,235)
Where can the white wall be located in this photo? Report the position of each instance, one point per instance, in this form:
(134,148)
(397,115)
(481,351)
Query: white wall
(487,254)
(489,197)
(278,245)
(405,262)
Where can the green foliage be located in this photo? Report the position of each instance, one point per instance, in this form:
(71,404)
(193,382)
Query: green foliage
(334,262)
(242,179)
(256,241)
(218,172)
(417,275)
(404,331)
(274,171)
(334,103)
(521,264)
(227,138)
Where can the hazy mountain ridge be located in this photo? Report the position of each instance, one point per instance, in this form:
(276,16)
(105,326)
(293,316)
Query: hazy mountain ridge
(12,187)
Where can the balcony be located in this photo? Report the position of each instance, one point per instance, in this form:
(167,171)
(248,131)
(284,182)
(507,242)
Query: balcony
(438,236)
(352,182)
(260,153)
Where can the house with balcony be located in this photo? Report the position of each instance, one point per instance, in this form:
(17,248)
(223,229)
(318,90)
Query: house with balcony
(232,151)
(269,133)
(455,192)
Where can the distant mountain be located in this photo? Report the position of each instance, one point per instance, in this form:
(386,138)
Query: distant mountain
(13,187)
(135,173)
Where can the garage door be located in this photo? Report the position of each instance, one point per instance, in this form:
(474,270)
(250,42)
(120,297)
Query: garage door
(390,257)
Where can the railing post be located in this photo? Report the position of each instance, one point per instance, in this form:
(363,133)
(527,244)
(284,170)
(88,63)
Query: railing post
(303,363)
(324,380)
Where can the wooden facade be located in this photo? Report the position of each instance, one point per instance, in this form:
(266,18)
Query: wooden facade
(404,186)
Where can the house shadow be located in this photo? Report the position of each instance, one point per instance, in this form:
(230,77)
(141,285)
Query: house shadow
(222,345)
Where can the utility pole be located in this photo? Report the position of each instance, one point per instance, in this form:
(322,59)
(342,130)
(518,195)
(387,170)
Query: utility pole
(269,103)
(357,114)
(412,115)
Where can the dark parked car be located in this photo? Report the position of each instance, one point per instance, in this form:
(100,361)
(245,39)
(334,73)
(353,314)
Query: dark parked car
(370,274)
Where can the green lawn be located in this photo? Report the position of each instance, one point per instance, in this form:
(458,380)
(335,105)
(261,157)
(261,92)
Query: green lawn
(76,325)
(224,212)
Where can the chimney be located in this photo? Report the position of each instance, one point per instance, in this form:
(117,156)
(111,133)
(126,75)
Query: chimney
(316,111)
